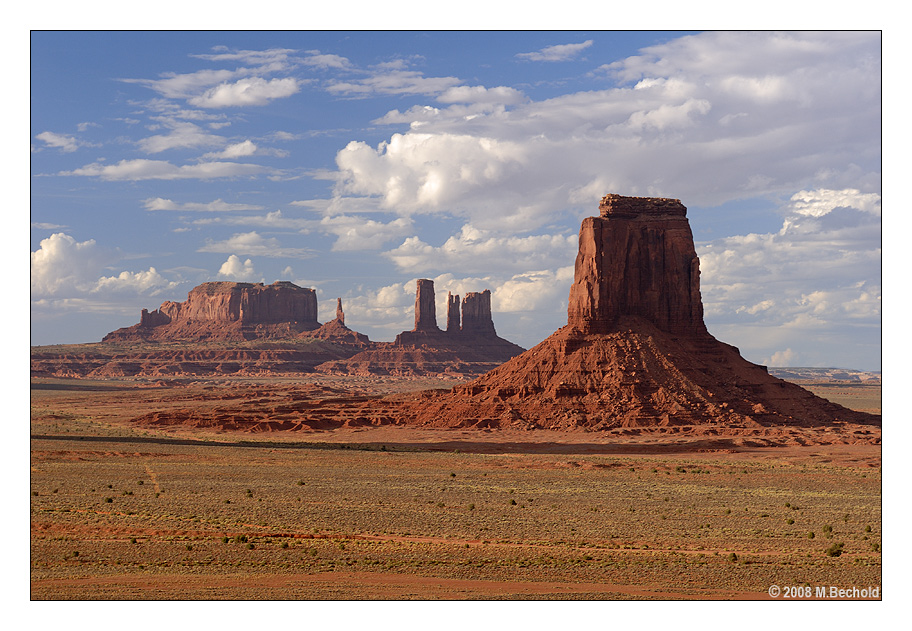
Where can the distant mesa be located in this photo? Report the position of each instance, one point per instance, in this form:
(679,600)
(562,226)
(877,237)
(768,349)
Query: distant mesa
(236,311)
(469,345)
(635,351)
(222,328)
(257,329)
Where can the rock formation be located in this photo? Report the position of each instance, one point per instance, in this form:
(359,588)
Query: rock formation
(215,313)
(335,330)
(637,258)
(247,303)
(453,320)
(229,311)
(635,351)
(472,349)
(476,319)
(476,314)
(425,307)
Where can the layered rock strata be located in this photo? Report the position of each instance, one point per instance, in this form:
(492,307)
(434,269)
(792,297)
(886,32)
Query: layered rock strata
(160,346)
(637,258)
(476,314)
(231,311)
(425,307)
(635,351)
(335,330)
(453,319)
(470,349)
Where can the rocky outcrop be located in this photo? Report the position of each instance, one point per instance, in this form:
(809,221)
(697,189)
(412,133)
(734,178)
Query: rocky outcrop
(477,323)
(425,307)
(335,330)
(190,358)
(249,303)
(468,350)
(453,320)
(230,311)
(246,315)
(637,258)
(476,314)
(635,351)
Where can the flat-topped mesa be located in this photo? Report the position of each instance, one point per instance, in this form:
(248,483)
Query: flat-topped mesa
(425,307)
(637,258)
(613,205)
(248,303)
(228,311)
(476,314)
(453,320)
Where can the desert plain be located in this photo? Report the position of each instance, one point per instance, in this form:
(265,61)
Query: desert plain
(127,505)
(232,447)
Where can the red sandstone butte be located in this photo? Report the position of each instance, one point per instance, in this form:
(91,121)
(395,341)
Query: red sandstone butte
(425,307)
(635,351)
(637,258)
(229,311)
(467,350)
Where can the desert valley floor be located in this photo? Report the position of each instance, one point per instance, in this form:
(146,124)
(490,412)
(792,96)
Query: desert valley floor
(129,503)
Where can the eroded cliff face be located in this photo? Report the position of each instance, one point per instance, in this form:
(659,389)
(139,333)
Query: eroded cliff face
(474,324)
(637,258)
(470,349)
(635,351)
(476,314)
(425,307)
(453,319)
(229,311)
(251,303)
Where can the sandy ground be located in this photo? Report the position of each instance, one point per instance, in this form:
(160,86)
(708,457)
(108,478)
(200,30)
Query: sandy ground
(122,510)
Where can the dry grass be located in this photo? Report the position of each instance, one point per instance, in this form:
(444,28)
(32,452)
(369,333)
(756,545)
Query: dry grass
(151,521)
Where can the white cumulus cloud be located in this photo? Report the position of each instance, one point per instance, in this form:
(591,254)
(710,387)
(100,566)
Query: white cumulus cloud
(236,270)
(817,278)
(415,172)
(357,233)
(64,268)
(708,118)
(63,264)
(475,250)
(148,282)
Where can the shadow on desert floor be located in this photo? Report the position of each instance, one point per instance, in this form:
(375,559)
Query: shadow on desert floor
(714,445)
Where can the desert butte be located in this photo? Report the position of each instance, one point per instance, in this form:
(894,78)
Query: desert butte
(232,447)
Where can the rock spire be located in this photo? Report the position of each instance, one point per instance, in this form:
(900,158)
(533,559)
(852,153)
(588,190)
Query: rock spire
(635,351)
(453,320)
(425,307)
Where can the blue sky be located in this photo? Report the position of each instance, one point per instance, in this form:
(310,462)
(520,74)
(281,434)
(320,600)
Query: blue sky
(357,162)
